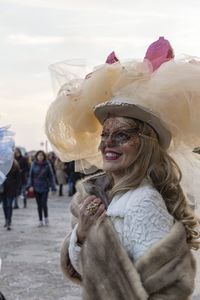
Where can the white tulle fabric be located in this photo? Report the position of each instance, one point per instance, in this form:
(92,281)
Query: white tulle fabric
(172,92)
(140,218)
(6,151)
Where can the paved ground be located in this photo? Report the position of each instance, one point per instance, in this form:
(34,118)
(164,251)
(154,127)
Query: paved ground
(30,255)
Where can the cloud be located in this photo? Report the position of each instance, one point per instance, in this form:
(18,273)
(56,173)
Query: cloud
(113,7)
(67,5)
(36,33)
(22,39)
(26,116)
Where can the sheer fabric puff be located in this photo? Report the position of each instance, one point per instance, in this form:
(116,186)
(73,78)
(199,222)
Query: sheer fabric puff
(70,124)
(172,92)
(189,163)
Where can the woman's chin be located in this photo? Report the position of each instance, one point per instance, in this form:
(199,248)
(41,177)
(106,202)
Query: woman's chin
(111,166)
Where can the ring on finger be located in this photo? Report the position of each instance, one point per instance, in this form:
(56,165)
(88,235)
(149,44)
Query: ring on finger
(92,208)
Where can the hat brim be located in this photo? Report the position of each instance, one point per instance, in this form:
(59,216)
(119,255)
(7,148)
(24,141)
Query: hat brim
(103,111)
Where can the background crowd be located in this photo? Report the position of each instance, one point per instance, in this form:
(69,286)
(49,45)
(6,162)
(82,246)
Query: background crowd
(33,175)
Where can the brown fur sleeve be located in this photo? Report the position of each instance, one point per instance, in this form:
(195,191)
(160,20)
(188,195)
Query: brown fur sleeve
(66,265)
(77,199)
(108,271)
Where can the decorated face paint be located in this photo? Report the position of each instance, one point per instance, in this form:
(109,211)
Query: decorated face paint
(115,133)
(118,137)
(119,145)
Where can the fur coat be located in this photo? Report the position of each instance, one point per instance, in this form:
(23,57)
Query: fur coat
(165,272)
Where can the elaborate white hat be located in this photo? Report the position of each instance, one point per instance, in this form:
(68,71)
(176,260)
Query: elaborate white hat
(163,92)
(125,107)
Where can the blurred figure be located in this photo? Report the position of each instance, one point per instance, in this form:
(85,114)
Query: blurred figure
(60,174)
(11,190)
(52,158)
(6,162)
(73,177)
(2,296)
(24,170)
(7,145)
(41,178)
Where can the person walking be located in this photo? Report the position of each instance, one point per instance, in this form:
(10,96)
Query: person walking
(40,179)
(24,171)
(51,157)
(11,188)
(61,175)
(73,177)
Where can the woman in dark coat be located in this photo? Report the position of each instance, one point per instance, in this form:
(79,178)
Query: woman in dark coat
(41,178)
(11,191)
(24,170)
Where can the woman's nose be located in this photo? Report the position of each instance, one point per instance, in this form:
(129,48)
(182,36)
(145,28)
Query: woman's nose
(109,141)
(106,143)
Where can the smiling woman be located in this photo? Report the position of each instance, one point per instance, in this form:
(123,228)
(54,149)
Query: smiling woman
(147,210)
(119,145)
(133,227)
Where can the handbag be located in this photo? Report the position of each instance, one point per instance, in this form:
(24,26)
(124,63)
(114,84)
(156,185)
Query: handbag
(30,194)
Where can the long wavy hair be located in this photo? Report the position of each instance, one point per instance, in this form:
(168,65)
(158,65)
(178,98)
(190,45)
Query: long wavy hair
(155,164)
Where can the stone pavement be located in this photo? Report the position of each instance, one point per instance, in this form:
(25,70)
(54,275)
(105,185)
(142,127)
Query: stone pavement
(30,255)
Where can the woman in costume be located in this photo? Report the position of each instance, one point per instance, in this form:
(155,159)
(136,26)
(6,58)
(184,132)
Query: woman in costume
(133,227)
(6,161)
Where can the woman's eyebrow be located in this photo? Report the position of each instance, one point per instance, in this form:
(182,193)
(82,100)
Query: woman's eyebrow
(120,130)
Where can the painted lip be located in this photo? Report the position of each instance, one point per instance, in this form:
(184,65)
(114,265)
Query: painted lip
(111,155)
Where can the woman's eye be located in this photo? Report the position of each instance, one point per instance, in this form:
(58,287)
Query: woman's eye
(122,136)
(104,135)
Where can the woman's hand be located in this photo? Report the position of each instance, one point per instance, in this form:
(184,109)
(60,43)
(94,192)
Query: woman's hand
(53,191)
(91,210)
(31,189)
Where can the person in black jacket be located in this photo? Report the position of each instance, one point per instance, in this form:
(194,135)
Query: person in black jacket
(73,177)
(11,190)
(24,171)
(2,296)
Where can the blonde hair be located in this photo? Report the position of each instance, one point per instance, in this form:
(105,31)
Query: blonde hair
(155,164)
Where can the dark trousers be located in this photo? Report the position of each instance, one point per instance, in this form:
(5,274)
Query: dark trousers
(41,199)
(60,189)
(23,193)
(71,187)
(16,205)
(2,296)
(7,208)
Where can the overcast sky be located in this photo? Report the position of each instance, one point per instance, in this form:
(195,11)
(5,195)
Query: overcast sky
(37,33)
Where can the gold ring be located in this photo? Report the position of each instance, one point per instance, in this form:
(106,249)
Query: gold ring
(92,208)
